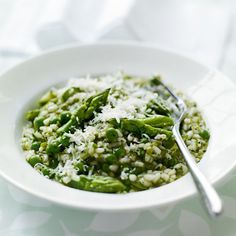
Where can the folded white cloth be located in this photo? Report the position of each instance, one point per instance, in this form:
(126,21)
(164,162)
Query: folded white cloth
(198,28)
(81,20)
(195,27)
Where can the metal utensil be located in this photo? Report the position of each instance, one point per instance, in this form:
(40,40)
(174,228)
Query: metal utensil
(209,196)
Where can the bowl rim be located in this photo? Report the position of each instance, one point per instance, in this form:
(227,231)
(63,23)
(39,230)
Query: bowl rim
(146,204)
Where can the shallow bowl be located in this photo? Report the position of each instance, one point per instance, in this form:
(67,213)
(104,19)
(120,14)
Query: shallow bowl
(20,86)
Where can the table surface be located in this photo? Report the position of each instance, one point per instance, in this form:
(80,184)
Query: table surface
(20,215)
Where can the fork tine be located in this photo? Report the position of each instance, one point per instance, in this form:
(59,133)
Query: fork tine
(169,90)
(180,101)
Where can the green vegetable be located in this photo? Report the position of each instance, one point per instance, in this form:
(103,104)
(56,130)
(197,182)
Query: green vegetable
(156,80)
(35,146)
(81,167)
(105,167)
(158,121)
(94,183)
(138,127)
(159,106)
(111,135)
(74,121)
(57,145)
(66,128)
(70,92)
(31,115)
(127,152)
(169,142)
(38,122)
(54,120)
(33,160)
(120,152)
(113,122)
(53,162)
(85,111)
(141,153)
(111,159)
(94,103)
(138,186)
(45,170)
(80,113)
(47,97)
(65,117)
(205,134)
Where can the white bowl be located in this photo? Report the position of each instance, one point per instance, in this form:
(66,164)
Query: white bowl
(19,87)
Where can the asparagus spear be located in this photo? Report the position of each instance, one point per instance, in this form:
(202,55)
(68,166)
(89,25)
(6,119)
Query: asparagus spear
(94,183)
(70,92)
(47,97)
(158,121)
(85,111)
(65,117)
(31,115)
(159,107)
(138,126)
(94,103)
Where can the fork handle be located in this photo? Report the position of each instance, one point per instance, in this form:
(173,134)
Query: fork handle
(208,194)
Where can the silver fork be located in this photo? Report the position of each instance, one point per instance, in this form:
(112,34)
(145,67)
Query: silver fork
(208,194)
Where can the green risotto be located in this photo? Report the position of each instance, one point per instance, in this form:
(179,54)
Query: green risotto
(111,134)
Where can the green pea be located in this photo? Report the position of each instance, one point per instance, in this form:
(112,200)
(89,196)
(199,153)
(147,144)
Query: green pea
(45,170)
(111,159)
(53,162)
(53,147)
(58,144)
(111,135)
(38,122)
(156,80)
(105,167)
(205,134)
(35,146)
(33,160)
(43,145)
(48,172)
(120,152)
